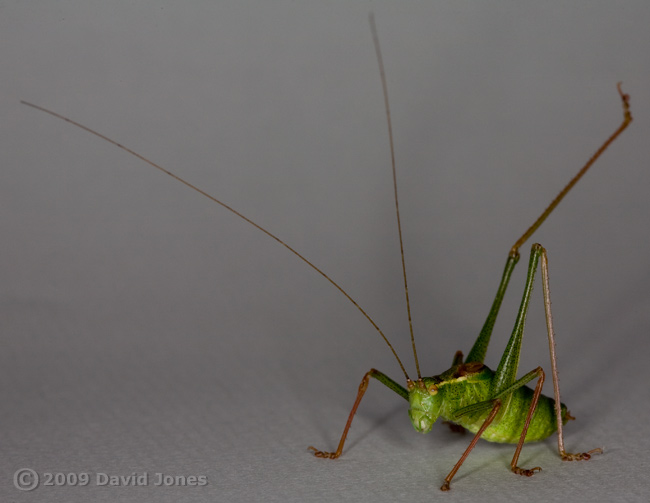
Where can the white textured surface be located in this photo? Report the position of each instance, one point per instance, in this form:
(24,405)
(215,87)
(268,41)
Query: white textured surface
(145,330)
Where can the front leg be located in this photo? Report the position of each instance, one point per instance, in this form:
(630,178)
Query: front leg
(496,405)
(381,377)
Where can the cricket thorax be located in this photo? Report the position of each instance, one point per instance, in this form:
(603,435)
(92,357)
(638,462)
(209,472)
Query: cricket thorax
(437,396)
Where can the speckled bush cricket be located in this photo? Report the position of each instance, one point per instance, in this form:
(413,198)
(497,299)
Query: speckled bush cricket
(493,405)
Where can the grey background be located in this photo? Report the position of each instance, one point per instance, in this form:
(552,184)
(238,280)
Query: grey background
(145,329)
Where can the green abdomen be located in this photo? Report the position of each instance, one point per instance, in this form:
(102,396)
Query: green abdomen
(509,423)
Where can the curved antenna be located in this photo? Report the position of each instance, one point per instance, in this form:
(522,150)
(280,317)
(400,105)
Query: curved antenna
(232,210)
(380,61)
(627,118)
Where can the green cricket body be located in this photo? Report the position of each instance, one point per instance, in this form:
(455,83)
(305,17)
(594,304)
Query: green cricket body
(494,405)
(462,385)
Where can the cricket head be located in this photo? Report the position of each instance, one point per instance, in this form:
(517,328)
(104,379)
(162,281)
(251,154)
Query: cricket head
(425,403)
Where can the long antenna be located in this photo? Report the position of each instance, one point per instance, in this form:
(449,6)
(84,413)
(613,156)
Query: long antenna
(384,86)
(232,210)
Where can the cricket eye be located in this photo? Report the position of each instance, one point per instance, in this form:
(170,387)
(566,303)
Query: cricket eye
(432,389)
